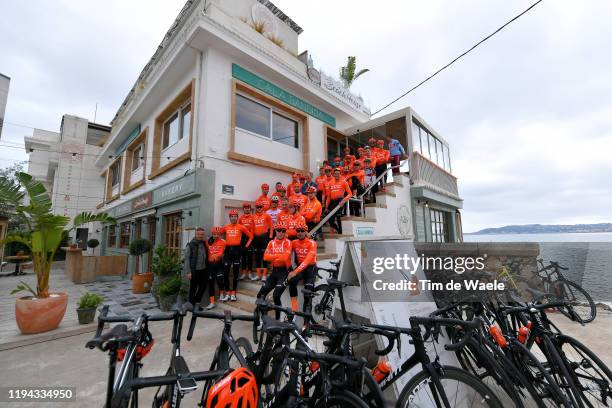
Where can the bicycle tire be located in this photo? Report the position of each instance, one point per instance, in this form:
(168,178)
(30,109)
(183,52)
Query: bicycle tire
(341,399)
(246,349)
(560,371)
(584,386)
(419,381)
(592,309)
(321,311)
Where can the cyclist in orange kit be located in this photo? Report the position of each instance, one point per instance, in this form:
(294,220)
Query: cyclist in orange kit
(246,219)
(321,180)
(311,211)
(233,252)
(263,198)
(262,231)
(278,253)
(295,181)
(305,250)
(297,196)
(216,249)
(338,192)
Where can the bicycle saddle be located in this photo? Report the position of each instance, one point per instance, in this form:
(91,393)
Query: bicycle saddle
(538,295)
(119,333)
(337,284)
(272,325)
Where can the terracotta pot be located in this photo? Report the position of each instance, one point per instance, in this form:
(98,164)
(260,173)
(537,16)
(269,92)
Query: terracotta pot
(141,282)
(40,315)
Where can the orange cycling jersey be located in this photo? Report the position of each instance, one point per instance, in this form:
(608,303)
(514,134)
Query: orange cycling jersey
(233,234)
(216,250)
(292,223)
(312,210)
(278,252)
(262,224)
(264,201)
(291,188)
(305,252)
(336,190)
(349,160)
(360,176)
(247,221)
(283,216)
(299,198)
(321,180)
(380,157)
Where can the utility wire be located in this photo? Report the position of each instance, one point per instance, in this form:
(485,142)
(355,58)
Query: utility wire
(459,57)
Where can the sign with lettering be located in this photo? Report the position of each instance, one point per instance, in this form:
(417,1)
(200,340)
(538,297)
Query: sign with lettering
(123,209)
(341,92)
(178,188)
(364,231)
(227,189)
(142,201)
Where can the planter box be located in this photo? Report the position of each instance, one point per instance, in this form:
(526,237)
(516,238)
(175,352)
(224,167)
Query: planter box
(83,268)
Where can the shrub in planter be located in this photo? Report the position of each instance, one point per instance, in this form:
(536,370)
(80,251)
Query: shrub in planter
(93,244)
(168,291)
(87,305)
(141,281)
(164,266)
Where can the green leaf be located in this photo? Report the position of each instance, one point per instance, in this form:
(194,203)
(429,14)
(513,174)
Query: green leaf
(40,201)
(87,217)
(10,192)
(24,287)
(27,240)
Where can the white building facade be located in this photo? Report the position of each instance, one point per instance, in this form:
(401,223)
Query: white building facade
(225,105)
(5,82)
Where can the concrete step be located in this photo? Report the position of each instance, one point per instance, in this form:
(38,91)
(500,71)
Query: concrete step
(385,193)
(326,255)
(360,219)
(375,205)
(333,235)
(394,183)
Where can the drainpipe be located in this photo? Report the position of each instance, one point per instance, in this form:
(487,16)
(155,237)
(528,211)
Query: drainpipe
(197,110)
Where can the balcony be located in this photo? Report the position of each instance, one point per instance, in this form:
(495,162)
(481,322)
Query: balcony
(425,173)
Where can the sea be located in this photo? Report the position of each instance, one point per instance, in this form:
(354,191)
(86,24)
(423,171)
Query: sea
(587,255)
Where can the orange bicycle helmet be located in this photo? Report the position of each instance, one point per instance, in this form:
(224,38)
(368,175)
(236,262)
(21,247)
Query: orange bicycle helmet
(265,186)
(280,225)
(233,212)
(217,230)
(246,205)
(236,389)
(311,189)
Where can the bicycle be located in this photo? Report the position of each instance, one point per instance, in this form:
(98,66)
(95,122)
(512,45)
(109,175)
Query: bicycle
(557,284)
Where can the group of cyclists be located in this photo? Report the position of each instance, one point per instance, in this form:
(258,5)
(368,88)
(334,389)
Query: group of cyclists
(265,243)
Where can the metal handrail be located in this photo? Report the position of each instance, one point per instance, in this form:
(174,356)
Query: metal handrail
(360,199)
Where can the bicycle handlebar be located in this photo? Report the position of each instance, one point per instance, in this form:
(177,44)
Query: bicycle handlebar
(226,315)
(532,308)
(434,322)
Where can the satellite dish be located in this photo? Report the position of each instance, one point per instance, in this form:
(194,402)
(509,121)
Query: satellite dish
(261,14)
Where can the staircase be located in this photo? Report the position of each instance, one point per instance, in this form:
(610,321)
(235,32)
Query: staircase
(381,219)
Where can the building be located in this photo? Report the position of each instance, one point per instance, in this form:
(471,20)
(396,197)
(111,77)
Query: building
(4,89)
(63,162)
(221,108)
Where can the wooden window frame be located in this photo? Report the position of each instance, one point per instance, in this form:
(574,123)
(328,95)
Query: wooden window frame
(109,180)
(242,88)
(177,232)
(127,174)
(112,236)
(187,94)
(123,244)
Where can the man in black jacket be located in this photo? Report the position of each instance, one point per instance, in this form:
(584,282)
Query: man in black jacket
(195,260)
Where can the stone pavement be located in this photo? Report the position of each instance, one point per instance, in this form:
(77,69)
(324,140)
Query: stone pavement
(118,295)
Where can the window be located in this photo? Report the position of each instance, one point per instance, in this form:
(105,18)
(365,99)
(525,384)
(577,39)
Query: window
(430,147)
(177,126)
(137,157)
(284,130)
(172,232)
(264,121)
(112,236)
(439,226)
(124,237)
(115,173)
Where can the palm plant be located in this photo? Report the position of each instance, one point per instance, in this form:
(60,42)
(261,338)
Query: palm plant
(349,73)
(45,228)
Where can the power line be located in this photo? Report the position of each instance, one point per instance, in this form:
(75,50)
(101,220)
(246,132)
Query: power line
(459,57)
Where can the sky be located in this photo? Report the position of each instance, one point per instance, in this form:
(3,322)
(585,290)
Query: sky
(528,114)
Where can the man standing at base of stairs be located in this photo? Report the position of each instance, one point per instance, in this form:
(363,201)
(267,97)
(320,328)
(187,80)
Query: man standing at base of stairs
(339,192)
(196,258)
(278,253)
(305,250)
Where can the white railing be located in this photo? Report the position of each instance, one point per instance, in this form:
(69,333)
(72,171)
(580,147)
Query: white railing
(424,172)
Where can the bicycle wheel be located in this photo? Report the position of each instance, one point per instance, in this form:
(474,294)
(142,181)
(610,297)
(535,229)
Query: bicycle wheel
(322,304)
(340,399)
(579,299)
(245,348)
(591,375)
(462,390)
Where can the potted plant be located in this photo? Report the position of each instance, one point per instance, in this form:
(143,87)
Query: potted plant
(141,281)
(87,305)
(165,266)
(93,244)
(42,310)
(168,291)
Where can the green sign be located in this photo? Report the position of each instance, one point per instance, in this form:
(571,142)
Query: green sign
(257,82)
(184,185)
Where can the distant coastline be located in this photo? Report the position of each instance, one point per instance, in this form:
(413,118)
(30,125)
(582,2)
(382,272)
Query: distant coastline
(545,229)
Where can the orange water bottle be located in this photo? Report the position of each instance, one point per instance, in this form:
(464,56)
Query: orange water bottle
(523,332)
(381,371)
(498,337)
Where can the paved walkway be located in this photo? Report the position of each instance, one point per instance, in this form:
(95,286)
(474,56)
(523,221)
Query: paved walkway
(117,293)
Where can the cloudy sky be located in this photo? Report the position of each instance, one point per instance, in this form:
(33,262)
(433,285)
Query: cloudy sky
(528,114)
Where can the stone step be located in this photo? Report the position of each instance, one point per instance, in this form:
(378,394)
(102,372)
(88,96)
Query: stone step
(385,193)
(333,235)
(394,183)
(360,219)
(326,255)
(376,205)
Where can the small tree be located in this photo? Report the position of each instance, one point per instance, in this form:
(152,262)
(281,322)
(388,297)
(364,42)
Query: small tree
(139,247)
(165,264)
(93,244)
(349,73)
